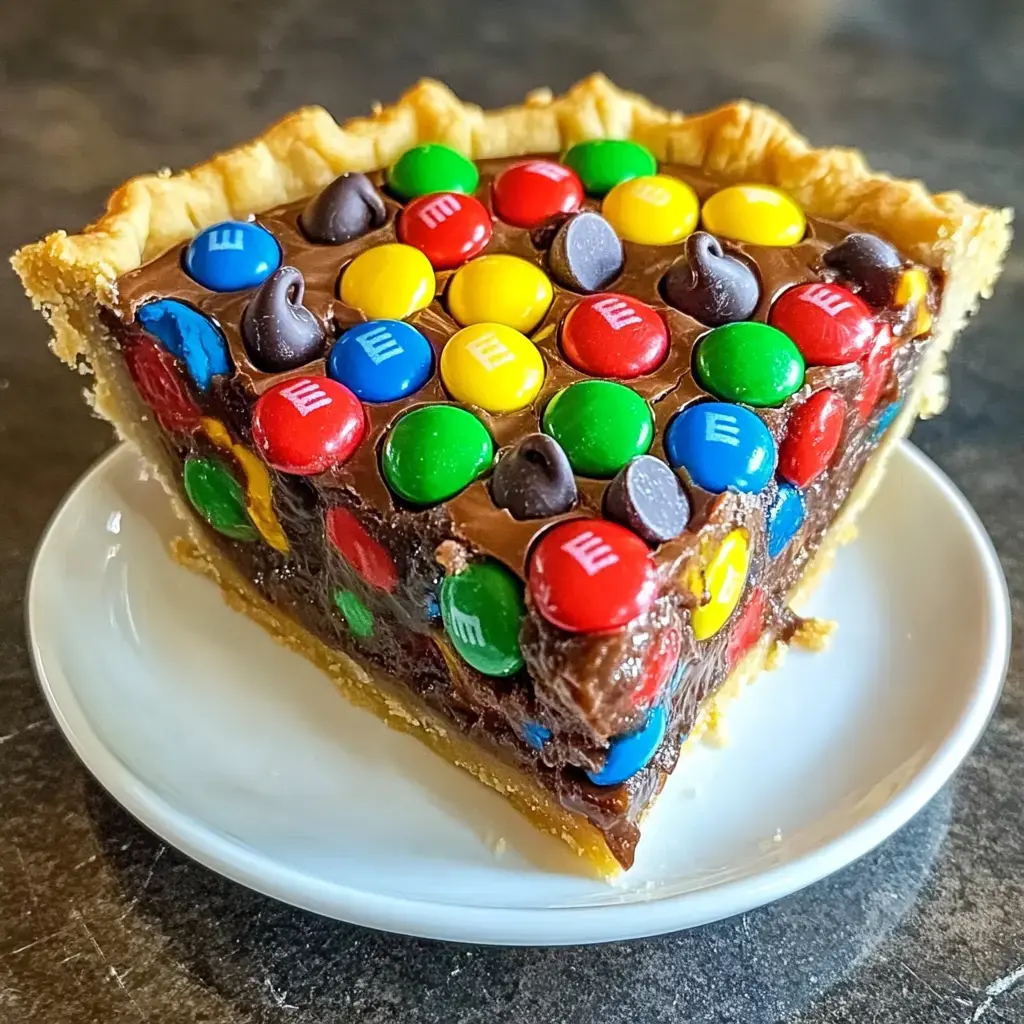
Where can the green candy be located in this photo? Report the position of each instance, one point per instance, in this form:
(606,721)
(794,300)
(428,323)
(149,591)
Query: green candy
(432,167)
(603,163)
(218,497)
(482,608)
(434,451)
(354,612)
(749,362)
(600,425)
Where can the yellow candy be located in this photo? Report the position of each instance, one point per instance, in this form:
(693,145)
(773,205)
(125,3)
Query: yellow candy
(721,583)
(913,290)
(259,501)
(388,282)
(500,290)
(492,366)
(653,210)
(758,214)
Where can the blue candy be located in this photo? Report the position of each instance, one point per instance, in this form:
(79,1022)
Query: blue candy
(889,413)
(535,734)
(381,361)
(785,517)
(628,754)
(723,447)
(188,336)
(232,255)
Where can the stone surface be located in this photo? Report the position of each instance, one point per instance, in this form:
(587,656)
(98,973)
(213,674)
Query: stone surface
(98,920)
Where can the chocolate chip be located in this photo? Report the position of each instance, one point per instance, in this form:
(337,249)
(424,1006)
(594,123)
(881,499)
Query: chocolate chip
(533,479)
(346,209)
(278,331)
(647,497)
(710,286)
(586,254)
(868,261)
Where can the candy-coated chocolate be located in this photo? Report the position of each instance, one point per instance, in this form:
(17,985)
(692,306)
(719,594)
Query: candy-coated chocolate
(448,228)
(535,735)
(529,193)
(346,209)
(307,425)
(758,214)
(381,360)
(612,335)
(354,612)
(435,451)
(492,366)
(388,282)
(785,516)
(659,667)
(647,497)
(156,376)
(370,560)
(602,163)
(586,254)
(482,608)
(827,322)
(709,285)
(188,336)
(654,209)
(875,368)
(591,576)
(232,255)
(749,362)
(432,167)
(500,289)
(629,754)
(719,585)
(218,497)
(812,436)
(912,291)
(259,495)
(748,629)
(533,479)
(721,447)
(278,331)
(867,262)
(600,425)
(886,419)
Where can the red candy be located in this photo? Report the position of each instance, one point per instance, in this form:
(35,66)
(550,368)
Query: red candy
(156,376)
(812,437)
(612,335)
(306,425)
(447,227)
(661,661)
(368,558)
(828,323)
(528,193)
(747,630)
(590,575)
(875,368)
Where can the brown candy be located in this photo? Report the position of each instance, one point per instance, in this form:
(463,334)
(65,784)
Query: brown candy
(278,331)
(347,208)
(533,479)
(710,286)
(647,497)
(868,261)
(586,254)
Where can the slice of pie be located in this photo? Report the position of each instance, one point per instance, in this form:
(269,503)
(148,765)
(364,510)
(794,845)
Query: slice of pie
(531,426)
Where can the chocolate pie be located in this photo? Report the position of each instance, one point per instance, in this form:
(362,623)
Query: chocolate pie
(531,427)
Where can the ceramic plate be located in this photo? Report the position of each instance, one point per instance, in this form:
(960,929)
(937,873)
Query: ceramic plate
(243,756)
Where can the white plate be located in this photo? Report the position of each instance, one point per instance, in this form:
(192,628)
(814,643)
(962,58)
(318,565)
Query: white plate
(242,755)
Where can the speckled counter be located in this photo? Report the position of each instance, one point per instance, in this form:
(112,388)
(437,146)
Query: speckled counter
(99,921)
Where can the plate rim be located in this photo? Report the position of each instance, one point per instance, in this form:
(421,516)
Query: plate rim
(548,926)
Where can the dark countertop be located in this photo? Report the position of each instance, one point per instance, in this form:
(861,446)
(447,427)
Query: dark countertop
(99,921)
